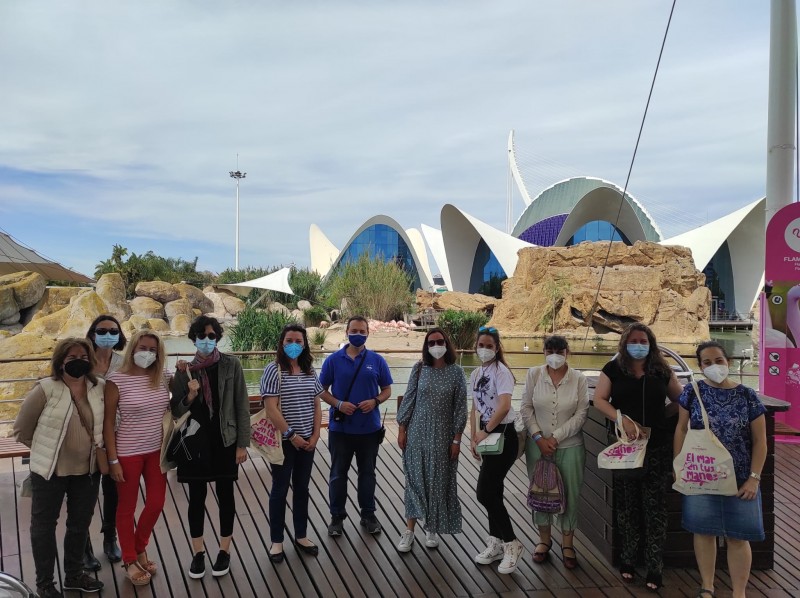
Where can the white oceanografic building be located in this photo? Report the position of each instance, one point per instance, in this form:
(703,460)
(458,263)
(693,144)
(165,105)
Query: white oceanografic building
(473,256)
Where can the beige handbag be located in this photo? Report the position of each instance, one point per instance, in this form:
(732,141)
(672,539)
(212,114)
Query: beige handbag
(704,465)
(265,438)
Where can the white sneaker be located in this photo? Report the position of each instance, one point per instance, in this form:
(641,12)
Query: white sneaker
(492,553)
(431,540)
(511,553)
(406,541)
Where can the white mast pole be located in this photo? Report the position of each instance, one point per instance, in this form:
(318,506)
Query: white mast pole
(781,150)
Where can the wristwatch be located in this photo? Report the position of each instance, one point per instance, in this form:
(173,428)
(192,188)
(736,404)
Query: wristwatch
(755,476)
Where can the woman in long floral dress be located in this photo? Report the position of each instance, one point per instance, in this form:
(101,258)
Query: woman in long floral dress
(432,417)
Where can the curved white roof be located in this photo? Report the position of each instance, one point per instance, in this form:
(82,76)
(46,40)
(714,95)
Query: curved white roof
(433,236)
(462,233)
(323,252)
(423,269)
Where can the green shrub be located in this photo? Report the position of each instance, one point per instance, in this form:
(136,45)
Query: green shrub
(372,288)
(462,326)
(319,337)
(314,315)
(257,330)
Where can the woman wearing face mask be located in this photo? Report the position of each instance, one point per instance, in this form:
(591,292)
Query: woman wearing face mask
(633,388)
(217,397)
(290,390)
(432,417)
(554,407)
(107,339)
(736,417)
(136,399)
(492,385)
(61,420)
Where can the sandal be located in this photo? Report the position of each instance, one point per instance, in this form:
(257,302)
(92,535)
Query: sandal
(147,564)
(541,557)
(570,562)
(653,582)
(704,592)
(628,573)
(136,574)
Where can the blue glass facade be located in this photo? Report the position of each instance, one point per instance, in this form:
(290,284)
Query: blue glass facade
(598,230)
(380,241)
(545,232)
(719,279)
(485,268)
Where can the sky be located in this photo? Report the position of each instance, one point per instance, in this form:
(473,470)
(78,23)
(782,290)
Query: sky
(120,122)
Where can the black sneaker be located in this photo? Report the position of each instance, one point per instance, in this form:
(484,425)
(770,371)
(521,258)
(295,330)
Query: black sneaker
(48,592)
(198,567)
(336,527)
(84,583)
(222,565)
(371,523)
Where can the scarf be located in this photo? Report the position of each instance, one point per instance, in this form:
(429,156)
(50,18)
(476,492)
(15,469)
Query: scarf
(199,365)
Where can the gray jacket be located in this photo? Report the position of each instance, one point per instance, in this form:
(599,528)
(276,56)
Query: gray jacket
(234,420)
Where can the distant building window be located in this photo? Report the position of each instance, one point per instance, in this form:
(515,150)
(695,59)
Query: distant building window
(487,273)
(382,241)
(598,230)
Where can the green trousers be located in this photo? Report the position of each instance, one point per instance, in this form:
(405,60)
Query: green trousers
(570,462)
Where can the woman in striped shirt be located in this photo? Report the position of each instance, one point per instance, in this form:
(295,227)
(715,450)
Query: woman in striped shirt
(290,389)
(138,393)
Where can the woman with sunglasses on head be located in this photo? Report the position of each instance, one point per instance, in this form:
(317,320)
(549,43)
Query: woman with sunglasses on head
(492,385)
(554,406)
(107,339)
(217,397)
(432,417)
(736,417)
(61,420)
(136,398)
(290,390)
(633,388)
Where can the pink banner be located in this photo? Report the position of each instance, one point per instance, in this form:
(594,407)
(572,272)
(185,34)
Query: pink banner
(779,356)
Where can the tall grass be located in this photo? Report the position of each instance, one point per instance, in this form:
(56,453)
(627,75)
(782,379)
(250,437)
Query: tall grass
(257,330)
(462,326)
(372,288)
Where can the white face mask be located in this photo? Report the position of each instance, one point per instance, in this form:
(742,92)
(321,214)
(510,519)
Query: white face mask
(555,361)
(437,352)
(485,354)
(716,373)
(144,359)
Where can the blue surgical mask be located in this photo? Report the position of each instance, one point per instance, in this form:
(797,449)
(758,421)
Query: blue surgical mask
(106,341)
(357,340)
(205,346)
(293,350)
(637,351)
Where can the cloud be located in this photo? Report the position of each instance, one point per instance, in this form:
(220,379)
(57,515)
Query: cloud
(128,118)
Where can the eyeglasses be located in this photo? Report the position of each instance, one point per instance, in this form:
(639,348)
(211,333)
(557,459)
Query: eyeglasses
(491,329)
(210,336)
(439,341)
(104,331)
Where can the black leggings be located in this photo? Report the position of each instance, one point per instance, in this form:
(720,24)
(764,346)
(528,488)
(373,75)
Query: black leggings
(491,484)
(197,507)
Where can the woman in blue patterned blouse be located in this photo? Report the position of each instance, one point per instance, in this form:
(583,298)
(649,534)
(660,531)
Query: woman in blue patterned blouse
(736,417)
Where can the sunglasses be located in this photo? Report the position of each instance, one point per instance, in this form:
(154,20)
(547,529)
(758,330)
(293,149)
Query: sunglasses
(491,329)
(210,336)
(104,331)
(439,341)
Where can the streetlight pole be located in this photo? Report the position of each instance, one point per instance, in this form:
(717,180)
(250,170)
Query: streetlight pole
(238,175)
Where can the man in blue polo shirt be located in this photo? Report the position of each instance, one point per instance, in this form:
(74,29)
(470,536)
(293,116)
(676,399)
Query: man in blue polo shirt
(356,382)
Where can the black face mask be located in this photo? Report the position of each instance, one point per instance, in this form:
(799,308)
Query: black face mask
(77,368)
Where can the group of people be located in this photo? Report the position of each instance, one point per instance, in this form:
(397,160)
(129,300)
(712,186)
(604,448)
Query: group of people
(100,405)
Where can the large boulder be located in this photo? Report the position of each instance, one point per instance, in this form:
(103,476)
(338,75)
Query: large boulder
(180,324)
(157,325)
(73,320)
(54,299)
(279,308)
(23,345)
(111,289)
(195,296)
(178,307)
(163,292)
(303,305)
(649,283)
(454,300)
(138,322)
(233,305)
(147,307)
(19,291)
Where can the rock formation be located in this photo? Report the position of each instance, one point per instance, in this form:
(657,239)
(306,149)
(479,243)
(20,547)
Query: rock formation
(647,282)
(18,292)
(111,289)
(163,292)
(454,300)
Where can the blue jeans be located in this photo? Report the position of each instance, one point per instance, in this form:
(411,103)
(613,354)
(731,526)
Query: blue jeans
(343,447)
(297,465)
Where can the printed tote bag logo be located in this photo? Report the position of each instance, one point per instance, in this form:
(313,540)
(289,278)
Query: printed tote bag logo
(624,454)
(704,465)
